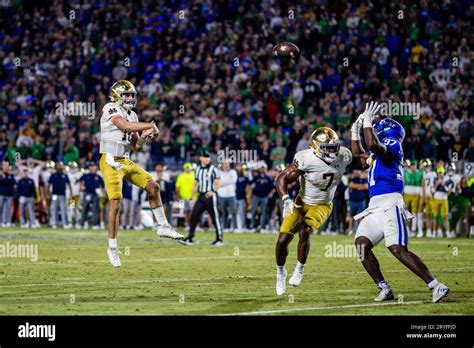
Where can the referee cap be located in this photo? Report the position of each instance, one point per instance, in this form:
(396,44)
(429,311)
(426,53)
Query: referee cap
(204,153)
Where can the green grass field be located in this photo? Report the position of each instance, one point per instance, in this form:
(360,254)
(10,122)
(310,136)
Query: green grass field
(72,276)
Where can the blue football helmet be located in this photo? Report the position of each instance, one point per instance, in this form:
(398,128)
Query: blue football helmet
(388,128)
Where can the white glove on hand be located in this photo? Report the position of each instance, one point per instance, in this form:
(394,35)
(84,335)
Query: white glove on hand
(288,206)
(109,159)
(369,114)
(355,129)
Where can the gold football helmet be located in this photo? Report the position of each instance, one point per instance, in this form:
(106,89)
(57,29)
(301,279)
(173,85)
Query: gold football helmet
(123,92)
(425,163)
(325,143)
(451,167)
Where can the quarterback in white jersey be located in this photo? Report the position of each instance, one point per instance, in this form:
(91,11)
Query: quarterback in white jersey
(319,170)
(120,134)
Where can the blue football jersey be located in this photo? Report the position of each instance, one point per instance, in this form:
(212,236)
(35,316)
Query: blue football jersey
(386,176)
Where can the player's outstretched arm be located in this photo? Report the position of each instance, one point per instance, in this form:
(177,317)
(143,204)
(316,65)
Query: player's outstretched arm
(374,145)
(359,157)
(371,140)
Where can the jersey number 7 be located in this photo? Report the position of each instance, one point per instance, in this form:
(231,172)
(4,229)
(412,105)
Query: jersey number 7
(331,178)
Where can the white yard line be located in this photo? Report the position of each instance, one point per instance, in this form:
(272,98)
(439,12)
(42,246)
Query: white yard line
(320,308)
(304,309)
(144,281)
(132,260)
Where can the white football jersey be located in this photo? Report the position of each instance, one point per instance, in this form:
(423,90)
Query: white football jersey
(430,178)
(112,139)
(319,181)
(74,180)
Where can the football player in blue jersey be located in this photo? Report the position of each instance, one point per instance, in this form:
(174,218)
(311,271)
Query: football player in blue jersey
(386,215)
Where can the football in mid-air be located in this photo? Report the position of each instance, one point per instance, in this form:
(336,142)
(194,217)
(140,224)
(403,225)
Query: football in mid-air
(286,49)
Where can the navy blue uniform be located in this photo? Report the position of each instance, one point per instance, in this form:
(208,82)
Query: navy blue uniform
(7,185)
(58,181)
(26,188)
(92,182)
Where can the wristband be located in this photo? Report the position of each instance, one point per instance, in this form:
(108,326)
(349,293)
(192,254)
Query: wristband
(141,142)
(285,197)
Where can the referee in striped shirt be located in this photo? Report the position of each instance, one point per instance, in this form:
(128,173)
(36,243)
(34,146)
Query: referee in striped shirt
(207,181)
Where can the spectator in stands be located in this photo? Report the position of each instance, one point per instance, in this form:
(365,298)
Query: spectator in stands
(262,189)
(241,194)
(56,188)
(184,190)
(26,200)
(227,196)
(91,185)
(358,189)
(7,192)
(126,217)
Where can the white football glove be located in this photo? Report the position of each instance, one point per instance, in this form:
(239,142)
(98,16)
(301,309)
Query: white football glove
(109,159)
(288,206)
(355,129)
(370,113)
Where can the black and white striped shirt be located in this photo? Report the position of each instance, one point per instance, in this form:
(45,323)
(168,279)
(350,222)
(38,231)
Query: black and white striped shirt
(205,177)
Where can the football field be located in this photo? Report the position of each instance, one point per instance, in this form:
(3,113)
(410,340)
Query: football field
(66,272)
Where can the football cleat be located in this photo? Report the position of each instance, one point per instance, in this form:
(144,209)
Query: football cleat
(281,283)
(168,231)
(217,243)
(296,278)
(439,292)
(385,294)
(114,257)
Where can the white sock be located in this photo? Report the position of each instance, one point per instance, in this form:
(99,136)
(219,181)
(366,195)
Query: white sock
(433,283)
(299,267)
(112,242)
(160,216)
(419,220)
(280,269)
(383,285)
(428,231)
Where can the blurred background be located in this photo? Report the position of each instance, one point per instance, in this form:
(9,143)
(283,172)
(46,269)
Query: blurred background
(206,74)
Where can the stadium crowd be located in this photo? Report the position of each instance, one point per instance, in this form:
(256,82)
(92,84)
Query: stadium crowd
(206,74)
